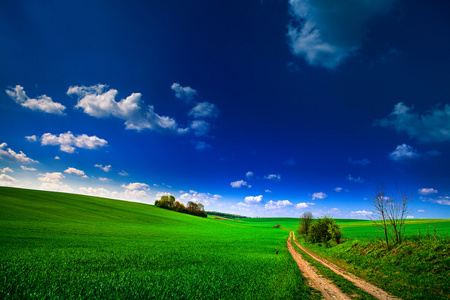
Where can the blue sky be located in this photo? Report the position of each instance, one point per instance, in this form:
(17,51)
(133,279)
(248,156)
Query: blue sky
(260,108)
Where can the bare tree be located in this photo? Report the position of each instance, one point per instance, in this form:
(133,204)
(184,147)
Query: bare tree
(397,211)
(379,216)
(305,222)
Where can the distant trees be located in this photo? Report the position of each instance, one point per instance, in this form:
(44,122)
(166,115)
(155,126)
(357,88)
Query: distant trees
(390,213)
(192,208)
(320,230)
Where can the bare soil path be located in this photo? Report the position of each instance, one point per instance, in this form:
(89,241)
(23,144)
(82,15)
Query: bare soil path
(326,287)
(362,284)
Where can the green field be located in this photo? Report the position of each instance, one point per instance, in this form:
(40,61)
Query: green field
(65,246)
(56,245)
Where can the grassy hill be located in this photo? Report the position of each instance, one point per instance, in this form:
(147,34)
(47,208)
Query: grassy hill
(56,245)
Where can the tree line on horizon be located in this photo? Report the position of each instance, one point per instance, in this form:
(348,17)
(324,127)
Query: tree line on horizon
(192,208)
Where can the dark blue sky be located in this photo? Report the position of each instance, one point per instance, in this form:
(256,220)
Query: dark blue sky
(261,108)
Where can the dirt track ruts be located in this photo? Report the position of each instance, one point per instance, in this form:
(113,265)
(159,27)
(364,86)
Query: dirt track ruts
(364,285)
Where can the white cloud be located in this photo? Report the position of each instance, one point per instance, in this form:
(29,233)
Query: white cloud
(403,153)
(249,175)
(98,192)
(52,182)
(204,110)
(57,158)
(273,177)
(200,127)
(253,199)
(123,173)
(27,169)
(267,191)
(31,138)
(432,127)
(7,170)
(421,210)
(357,179)
(361,213)
(278,204)
(303,205)
(136,186)
(183,92)
(200,145)
(68,142)
(104,168)
(97,102)
(104,179)
(442,200)
(319,195)
(360,162)
(11,155)
(338,189)
(240,184)
(326,32)
(75,171)
(42,103)
(160,194)
(6,180)
(427,191)
(204,198)
(410,217)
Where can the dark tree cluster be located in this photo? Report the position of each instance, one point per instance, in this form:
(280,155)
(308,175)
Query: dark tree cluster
(192,208)
(321,230)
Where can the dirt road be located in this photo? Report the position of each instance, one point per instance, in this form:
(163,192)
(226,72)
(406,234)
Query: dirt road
(364,285)
(325,286)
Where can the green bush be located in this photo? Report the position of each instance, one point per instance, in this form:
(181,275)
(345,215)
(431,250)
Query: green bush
(323,230)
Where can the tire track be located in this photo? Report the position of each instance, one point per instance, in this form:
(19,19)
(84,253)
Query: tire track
(326,287)
(362,284)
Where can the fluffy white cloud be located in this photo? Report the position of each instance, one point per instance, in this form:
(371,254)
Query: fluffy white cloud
(7,170)
(6,180)
(442,200)
(326,32)
(240,184)
(183,92)
(68,142)
(403,153)
(75,171)
(136,186)
(432,127)
(277,204)
(357,179)
(319,195)
(98,102)
(303,205)
(249,175)
(52,182)
(204,110)
(427,191)
(27,169)
(42,103)
(200,127)
(273,177)
(11,155)
(253,199)
(31,138)
(104,168)
(99,192)
(204,198)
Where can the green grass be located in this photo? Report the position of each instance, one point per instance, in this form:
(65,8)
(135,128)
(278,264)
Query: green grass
(56,245)
(415,269)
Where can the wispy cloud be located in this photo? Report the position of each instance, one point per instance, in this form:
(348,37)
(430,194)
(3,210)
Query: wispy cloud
(427,191)
(353,179)
(68,142)
(204,110)
(104,168)
(240,184)
(326,32)
(273,177)
(204,198)
(6,180)
(7,170)
(42,103)
(10,155)
(183,92)
(27,168)
(319,195)
(431,127)
(359,162)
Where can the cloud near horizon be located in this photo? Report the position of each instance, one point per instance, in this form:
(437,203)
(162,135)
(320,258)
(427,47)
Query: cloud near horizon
(10,155)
